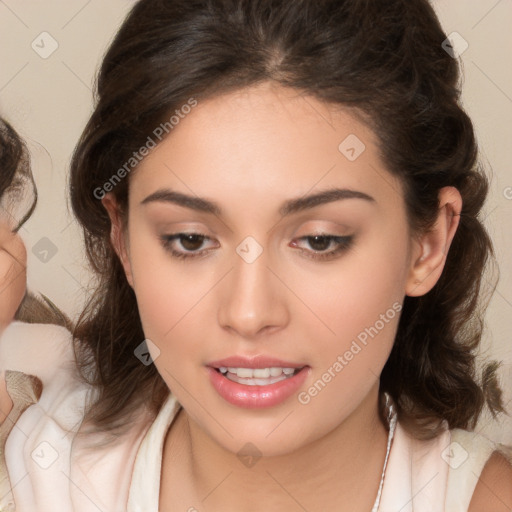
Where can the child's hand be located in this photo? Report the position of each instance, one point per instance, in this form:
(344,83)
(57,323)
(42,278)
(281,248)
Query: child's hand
(13,274)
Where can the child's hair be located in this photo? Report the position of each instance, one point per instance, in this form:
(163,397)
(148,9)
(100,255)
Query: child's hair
(15,178)
(15,172)
(382,58)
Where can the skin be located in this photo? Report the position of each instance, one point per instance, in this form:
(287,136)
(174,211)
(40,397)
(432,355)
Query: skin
(279,146)
(13,280)
(494,488)
(250,151)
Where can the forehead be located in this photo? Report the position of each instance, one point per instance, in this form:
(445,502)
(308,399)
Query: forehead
(266,143)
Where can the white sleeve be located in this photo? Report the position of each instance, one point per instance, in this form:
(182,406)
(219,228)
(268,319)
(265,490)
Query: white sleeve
(35,349)
(38,447)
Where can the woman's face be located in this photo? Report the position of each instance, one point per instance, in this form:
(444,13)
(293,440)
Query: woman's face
(249,171)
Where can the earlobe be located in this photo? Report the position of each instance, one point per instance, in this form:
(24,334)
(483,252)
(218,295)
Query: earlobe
(117,235)
(431,249)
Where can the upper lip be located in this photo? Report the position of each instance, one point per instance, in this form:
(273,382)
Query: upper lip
(260,361)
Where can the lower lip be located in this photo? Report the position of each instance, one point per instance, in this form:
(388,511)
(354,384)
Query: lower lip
(256,397)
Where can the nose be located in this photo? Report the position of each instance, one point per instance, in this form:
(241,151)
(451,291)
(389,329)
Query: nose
(252,299)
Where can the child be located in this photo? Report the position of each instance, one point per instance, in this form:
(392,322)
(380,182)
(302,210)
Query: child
(280,200)
(18,199)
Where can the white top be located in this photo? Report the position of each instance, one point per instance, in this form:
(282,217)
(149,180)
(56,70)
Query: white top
(48,468)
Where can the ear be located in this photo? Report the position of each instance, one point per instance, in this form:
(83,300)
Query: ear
(431,249)
(118,236)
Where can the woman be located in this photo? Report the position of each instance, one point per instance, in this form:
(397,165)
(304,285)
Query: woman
(281,201)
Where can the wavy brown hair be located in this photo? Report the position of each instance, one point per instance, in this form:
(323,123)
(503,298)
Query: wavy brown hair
(385,59)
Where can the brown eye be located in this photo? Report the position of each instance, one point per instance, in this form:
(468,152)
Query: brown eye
(190,244)
(320,244)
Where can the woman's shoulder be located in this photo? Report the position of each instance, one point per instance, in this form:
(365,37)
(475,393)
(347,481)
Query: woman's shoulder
(457,471)
(480,473)
(493,493)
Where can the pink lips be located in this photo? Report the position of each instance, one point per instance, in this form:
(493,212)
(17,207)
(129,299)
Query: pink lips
(253,362)
(252,397)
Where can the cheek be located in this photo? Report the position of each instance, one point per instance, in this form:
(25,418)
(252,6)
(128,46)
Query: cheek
(169,300)
(349,356)
(164,305)
(365,284)
(359,304)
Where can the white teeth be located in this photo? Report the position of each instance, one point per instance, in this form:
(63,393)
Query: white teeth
(263,373)
(255,382)
(257,373)
(245,373)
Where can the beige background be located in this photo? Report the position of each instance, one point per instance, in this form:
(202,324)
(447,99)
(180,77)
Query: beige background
(49,100)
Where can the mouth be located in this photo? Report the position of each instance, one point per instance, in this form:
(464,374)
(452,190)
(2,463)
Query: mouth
(258,376)
(258,382)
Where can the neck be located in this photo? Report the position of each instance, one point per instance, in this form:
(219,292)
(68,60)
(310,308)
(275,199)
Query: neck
(340,471)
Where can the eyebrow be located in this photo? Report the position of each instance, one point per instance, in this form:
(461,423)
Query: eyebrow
(289,207)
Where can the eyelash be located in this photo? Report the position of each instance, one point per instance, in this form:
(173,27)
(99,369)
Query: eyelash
(343,244)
